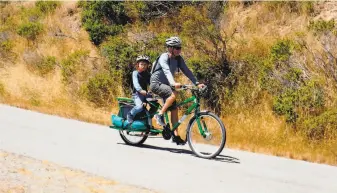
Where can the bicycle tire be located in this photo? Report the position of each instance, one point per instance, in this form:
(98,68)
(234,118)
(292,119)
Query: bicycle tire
(223,131)
(124,135)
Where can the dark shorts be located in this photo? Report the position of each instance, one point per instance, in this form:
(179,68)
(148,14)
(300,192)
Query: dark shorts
(162,90)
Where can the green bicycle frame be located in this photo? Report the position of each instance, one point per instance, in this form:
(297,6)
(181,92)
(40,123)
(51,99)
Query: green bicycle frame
(194,107)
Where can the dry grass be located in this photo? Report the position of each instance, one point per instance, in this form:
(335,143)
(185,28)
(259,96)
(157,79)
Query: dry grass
(257,27)
(259,130)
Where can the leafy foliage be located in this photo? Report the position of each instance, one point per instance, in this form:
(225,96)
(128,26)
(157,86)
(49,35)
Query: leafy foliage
(71,64)
(46,66)
(103,18)
(100,89)
(323,126)
(47,6)
(121,56)
(6,47)
(30,30)
(281,51)
(322,26)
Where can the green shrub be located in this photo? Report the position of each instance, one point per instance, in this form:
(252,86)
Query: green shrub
(30,30)
(307,99)
(47,6)
(212,74)
(72,63)
(281,51)
(322,26)
(103,18)
(6,47)
(121,56)
(46,66)
(320,127)
(293,75)
(100,89)
(285,104)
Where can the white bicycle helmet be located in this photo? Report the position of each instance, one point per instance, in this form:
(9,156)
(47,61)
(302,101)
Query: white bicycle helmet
(143,58)
(173,41)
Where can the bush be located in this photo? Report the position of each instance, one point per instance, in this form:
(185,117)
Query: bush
(71,63)
(321,26)
(103,18)
(46,66)
(284,104)
(213,75)
(100,89)
(6,47)
(281,51)
(121,56)
(47,6)
(30,30)
(306,100)
(320,127)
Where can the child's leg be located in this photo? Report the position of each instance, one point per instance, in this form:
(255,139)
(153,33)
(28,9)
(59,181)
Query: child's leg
(138,105)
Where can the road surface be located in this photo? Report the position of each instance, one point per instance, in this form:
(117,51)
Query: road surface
(160,165)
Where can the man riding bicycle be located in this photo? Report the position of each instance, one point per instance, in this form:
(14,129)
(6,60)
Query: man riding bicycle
(163,84)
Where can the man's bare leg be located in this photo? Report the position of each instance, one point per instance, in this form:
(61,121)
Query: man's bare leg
(174,120)
(168,102)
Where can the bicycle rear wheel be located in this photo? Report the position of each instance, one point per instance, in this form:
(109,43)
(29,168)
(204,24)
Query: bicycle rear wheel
(213,141)
(133,137)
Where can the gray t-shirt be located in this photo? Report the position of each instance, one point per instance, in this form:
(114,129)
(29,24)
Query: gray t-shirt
(166,73)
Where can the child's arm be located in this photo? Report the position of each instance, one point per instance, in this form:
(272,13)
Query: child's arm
(136,84)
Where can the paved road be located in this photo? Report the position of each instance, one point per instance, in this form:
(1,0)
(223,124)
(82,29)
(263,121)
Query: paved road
(160,165)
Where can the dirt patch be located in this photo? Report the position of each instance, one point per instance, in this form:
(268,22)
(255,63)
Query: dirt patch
(21,174)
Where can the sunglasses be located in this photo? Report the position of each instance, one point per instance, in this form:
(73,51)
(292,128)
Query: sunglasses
(177,48)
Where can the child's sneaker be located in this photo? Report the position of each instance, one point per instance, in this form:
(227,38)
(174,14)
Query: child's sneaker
(129,117)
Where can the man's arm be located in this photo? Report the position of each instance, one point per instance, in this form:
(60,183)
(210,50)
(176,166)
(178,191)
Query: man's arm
(163,61)
(187,71)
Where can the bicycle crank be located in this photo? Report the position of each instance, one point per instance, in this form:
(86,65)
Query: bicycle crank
(166,133)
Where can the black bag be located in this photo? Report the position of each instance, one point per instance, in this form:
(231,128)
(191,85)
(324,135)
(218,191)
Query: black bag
(153,69)
(125,108)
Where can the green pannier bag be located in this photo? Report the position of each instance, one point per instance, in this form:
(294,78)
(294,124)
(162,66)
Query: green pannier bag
(120,122)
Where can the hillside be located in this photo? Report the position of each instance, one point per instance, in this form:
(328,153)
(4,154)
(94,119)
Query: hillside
(270,66)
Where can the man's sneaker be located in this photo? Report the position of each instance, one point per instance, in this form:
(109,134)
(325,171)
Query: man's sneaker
(160,119)
(129,117)
(178,140)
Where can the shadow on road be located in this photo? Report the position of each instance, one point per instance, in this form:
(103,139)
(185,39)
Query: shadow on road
(221,158)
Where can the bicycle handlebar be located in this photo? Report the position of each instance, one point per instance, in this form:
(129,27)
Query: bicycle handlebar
(190,87)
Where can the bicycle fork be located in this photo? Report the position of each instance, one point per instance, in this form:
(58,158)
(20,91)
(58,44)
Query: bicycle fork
(203,128)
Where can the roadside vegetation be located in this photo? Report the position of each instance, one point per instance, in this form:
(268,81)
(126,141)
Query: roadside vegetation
(270,66)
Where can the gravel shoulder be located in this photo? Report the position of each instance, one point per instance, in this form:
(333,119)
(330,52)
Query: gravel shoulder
(21,174)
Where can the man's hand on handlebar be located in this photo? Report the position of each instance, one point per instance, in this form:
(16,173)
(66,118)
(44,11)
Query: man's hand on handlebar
(201,85)
(143,92)
(177,85)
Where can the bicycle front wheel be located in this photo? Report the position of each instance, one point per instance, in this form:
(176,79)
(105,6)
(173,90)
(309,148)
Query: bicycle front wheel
(206,137)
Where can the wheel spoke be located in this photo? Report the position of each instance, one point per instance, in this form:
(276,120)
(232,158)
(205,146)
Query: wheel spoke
(133,137)
(213,141)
